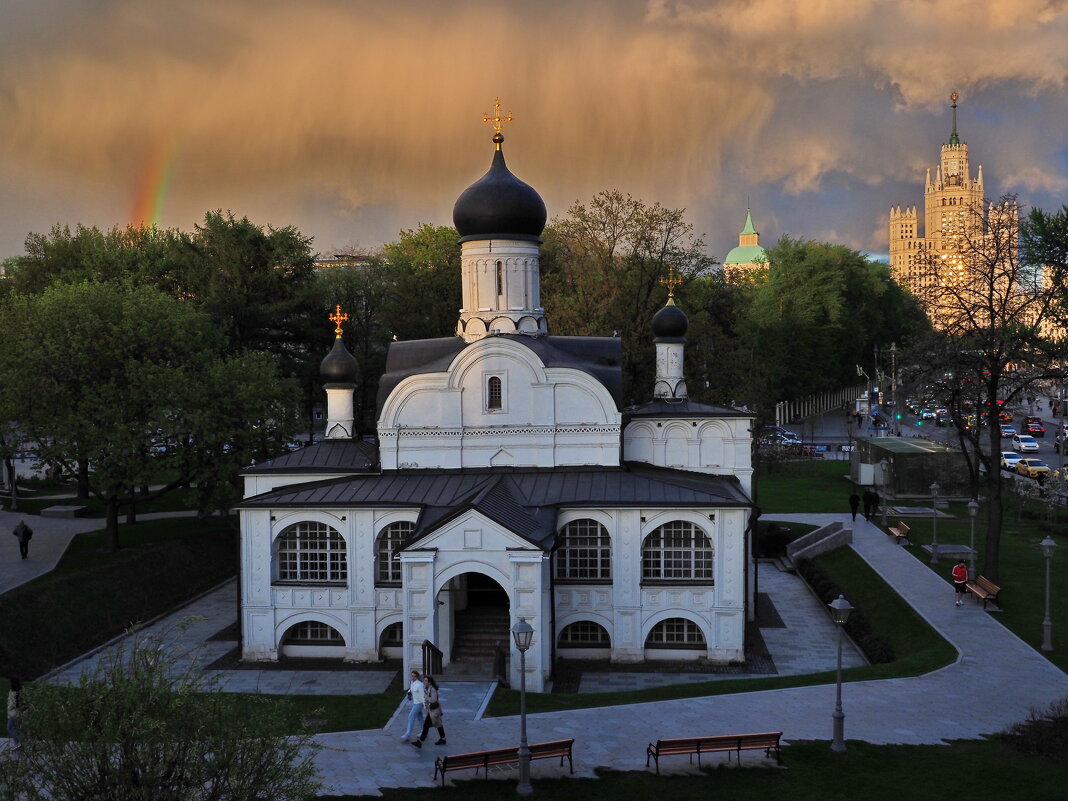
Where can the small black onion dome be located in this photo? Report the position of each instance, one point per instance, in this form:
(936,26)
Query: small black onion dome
(499,205)
(339,366)
(670,322)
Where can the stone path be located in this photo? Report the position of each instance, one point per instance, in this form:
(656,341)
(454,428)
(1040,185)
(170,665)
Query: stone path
(972,697)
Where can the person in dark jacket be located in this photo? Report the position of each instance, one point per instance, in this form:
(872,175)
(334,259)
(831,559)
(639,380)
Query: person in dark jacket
(24,534)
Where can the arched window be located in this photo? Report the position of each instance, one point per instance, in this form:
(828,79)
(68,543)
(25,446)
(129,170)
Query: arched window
(392,636)
(584,551)
(500,278)
(311,552)
(677,551)
(584,634)
(494,395)
(675,632)
(312,632)
(387,568)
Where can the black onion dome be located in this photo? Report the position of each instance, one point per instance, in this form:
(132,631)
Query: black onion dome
(670,322)
(339,366)
(499,206)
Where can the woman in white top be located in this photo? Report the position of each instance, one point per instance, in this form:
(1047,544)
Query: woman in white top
(416,694)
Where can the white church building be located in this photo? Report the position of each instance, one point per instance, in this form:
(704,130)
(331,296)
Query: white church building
(507,482)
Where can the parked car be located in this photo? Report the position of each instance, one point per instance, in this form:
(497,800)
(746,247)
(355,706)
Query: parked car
(1009,460)
(1007,431)
(1024,443)
(1033,468)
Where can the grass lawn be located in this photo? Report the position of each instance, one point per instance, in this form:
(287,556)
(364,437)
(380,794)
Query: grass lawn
(986,769)
(32,502)
(815,485)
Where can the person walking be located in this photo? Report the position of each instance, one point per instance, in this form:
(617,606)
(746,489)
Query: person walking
(854,504)
(24,534)
(433,713)
(14,704)
(960,580)
(417,695)
(868,503)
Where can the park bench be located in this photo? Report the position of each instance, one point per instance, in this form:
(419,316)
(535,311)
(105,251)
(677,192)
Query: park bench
(983,589)
(483,760)
(900,532)
(731,743)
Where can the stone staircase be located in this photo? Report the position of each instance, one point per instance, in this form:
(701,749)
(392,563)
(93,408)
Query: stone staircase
(476,632)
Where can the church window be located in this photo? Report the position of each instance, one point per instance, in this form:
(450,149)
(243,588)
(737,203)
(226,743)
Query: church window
(494,395)
(500,279)
(584,551)
(675,632)
(312,632)
(677,551)
(393,635)
(311,552)
(387,566)
(584,634)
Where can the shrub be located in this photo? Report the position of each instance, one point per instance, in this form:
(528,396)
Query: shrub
(1043,733)
(877,649)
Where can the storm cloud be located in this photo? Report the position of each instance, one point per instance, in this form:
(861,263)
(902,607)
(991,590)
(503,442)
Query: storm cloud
(352,119)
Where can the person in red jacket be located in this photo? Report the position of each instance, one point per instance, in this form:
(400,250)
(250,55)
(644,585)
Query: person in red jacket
(960,578)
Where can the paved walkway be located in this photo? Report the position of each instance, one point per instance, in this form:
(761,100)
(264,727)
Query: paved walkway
(972,697)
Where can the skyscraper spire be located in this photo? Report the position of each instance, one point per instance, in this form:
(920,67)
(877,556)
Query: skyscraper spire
(953,138)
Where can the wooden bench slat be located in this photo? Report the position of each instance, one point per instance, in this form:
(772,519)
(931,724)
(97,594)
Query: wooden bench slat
(900,532)
(483,760)
(766,741)
(984,590)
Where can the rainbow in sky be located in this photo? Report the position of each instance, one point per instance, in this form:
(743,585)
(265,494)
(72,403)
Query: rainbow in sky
(155,178)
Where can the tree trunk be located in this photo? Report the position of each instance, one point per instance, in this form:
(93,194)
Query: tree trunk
(111,531)
(83,479)
(994,509)
(12,480)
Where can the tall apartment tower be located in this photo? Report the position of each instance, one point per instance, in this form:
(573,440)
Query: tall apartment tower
(952,201)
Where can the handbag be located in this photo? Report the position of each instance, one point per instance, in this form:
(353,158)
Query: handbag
(434,705)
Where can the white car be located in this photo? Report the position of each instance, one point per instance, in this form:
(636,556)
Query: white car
(1009,460)
(1008,431)
(1025,443)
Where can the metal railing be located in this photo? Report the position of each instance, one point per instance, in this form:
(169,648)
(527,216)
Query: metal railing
(432,657)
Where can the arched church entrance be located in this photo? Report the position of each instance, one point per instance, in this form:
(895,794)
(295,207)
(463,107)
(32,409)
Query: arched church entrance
(480,613)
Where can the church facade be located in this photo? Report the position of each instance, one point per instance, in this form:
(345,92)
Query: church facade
(507,482)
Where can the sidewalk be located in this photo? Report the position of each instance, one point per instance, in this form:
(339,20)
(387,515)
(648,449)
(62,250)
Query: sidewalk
(970,698)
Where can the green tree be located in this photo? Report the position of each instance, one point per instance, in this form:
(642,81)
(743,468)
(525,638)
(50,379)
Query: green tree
(144,727)
(601,271)
(817,312)
(251,281)
(111,374)
(424,268)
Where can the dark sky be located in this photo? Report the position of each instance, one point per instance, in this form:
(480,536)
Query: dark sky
(353,119)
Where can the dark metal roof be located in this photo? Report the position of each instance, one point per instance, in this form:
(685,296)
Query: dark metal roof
(686,408)
(329,455)
(600,357)
(525,500)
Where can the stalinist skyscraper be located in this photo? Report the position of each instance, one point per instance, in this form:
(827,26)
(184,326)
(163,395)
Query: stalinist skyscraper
(952,205)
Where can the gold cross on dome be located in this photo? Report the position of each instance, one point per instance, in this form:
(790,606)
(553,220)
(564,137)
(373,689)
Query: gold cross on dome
(497,120)
(671,282)
(338,318)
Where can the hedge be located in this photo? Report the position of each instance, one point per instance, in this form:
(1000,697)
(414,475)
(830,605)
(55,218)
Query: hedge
(46,624)
(876,648)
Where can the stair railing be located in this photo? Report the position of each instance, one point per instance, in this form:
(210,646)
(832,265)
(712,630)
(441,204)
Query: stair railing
(499,656)
(432,657)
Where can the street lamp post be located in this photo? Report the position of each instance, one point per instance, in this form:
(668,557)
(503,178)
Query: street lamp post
(973,509)
(840,609)
(934,522)
(884,463)
(1047,624)
(523,633)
